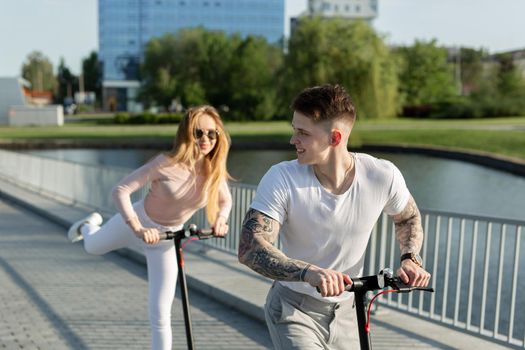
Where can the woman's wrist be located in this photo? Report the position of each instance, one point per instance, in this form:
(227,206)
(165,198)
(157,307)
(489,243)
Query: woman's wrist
(134,224)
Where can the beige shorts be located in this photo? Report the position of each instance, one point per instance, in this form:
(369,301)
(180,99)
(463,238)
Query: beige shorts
(299,321)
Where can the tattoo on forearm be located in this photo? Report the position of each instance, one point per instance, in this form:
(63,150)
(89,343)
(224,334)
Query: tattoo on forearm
(271,263)
(256,249)
(409,231)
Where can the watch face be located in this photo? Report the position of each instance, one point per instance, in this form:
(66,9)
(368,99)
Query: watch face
(414,257)
(417,259)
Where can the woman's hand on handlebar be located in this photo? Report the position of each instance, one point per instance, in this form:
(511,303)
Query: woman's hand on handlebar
(149,235)
(220,228)
(329,282)
(413,275)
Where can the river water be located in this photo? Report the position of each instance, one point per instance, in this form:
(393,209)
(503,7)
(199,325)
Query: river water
(435,183)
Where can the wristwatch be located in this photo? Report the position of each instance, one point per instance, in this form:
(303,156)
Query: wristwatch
(414,257)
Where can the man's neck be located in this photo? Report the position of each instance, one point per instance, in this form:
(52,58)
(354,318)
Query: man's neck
(337,174)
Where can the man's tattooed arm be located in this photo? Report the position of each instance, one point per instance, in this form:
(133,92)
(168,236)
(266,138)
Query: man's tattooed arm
(409,231)
(256,249)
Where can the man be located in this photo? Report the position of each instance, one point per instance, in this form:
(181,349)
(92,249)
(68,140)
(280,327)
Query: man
(325,204)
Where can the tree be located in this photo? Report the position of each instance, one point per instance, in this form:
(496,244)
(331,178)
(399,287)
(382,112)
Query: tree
(253,79)
(38,70)
(510,81)
(197,66)
(159,71)
(172,68)
(333,51)
(426,77)
(471,66)
(507,92)
(92,74)
(216,65)
(67,83)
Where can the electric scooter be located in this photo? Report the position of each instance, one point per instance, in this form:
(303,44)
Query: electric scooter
(190,232)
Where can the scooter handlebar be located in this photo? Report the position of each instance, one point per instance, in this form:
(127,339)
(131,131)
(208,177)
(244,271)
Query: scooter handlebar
(384,278)
(190,231)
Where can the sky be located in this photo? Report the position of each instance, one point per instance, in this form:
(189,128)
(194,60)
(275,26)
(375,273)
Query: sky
(68,28)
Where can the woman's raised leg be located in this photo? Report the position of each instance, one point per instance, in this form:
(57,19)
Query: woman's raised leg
(114,234)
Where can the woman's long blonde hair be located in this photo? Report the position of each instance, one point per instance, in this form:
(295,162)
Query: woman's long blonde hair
(186,151)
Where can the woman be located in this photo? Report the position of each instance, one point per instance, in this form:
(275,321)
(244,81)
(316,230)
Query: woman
(192,175)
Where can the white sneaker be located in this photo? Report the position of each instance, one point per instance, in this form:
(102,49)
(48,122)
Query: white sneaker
(74,234)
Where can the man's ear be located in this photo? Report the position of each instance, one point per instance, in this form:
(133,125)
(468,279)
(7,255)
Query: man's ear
(335,137)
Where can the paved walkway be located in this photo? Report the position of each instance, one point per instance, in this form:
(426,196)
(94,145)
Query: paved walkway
(55,296)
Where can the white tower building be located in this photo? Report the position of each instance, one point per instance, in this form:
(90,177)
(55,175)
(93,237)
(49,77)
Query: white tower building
(351,9)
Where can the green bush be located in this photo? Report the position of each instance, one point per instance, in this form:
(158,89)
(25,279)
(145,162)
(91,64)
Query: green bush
(147,118)
(121,118)
(459,108)
(474,106)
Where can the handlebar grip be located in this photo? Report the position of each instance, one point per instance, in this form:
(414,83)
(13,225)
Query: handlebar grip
(408,289)
(166,235)
(348,288)
(400,286)
(205,233)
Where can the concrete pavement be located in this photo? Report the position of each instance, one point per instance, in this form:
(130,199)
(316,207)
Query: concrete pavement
(55,296)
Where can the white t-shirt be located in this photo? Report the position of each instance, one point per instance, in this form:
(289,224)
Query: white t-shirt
(324,229)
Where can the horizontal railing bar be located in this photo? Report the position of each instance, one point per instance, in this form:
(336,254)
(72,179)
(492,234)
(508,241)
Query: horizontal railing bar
(498,220)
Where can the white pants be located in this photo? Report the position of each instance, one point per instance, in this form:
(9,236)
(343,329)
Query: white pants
(161,261)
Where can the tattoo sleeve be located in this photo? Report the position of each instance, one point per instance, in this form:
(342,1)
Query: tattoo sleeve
(256,249)
(409,231)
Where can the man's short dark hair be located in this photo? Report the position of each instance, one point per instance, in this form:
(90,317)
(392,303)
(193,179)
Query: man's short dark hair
(326,102)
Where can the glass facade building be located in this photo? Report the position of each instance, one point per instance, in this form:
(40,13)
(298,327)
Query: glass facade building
(125,26)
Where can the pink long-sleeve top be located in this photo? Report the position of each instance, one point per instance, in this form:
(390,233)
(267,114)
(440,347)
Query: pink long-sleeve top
(175,193)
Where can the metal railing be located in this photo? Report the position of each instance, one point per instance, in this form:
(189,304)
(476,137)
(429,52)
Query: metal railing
(474,260)
(68,182)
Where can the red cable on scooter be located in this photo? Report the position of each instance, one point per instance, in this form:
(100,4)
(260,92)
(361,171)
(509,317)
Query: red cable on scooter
(367,325)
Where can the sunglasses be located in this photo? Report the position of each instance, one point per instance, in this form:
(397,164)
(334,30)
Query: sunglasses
(212,134)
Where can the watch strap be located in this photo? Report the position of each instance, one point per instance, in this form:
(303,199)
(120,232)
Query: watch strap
(416,259)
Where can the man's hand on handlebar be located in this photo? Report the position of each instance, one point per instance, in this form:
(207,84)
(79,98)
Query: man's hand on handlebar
(413,275)
(328,282)
(220,229)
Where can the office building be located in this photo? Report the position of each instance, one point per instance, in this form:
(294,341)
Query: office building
(125,27)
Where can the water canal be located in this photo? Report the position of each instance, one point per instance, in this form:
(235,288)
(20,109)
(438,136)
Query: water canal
(436,183)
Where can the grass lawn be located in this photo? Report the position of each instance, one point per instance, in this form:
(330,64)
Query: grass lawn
(505,136)
(507,143)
